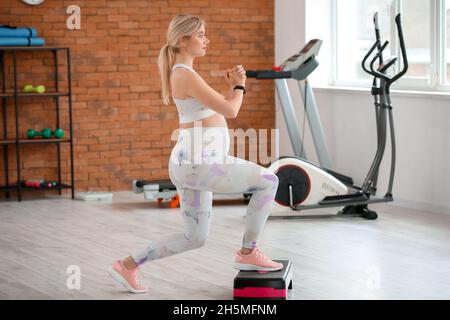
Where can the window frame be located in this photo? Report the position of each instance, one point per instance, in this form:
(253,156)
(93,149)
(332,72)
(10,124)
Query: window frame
(441,51)
(437,79)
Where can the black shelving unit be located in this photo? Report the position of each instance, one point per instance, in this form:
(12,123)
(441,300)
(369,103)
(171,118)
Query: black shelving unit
(17,142)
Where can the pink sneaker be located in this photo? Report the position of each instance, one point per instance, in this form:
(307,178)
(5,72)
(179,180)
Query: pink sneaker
(255,261)
(126,277)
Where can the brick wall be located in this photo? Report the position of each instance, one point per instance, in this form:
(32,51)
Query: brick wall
(121,128)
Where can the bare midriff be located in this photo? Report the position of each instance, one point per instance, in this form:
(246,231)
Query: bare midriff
(215,121)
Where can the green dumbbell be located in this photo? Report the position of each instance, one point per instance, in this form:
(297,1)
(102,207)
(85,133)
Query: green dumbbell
(58,133)
(39,89)
(32,89)
(28,88)
(45,133)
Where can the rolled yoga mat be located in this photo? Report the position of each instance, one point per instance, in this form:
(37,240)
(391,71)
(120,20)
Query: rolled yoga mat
(13,32)
(22,42)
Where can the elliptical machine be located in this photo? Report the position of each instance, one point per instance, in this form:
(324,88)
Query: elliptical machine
(304,185)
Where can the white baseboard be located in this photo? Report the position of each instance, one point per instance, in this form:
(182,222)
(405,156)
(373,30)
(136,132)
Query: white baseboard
(420,205)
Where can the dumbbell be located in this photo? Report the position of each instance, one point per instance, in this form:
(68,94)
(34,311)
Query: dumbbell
(39,184)
(33,183)
(45,133)
(29,88)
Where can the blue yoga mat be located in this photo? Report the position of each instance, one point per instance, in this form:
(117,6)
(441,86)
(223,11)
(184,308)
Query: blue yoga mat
(21,42)
(12,32)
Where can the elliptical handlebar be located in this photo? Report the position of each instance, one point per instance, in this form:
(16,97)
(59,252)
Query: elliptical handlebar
(377,33)
(377,25)
(398,22)
(377,45)
(377,56)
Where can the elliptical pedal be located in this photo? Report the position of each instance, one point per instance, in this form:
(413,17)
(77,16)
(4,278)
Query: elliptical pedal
(337,200)
(359,211)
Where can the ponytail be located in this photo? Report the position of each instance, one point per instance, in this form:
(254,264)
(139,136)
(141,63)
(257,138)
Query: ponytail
(183,25)
(166,60)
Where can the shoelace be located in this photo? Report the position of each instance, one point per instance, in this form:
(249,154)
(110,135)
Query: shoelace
(260,254)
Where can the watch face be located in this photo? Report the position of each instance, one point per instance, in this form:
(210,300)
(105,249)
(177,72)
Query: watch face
(33,2)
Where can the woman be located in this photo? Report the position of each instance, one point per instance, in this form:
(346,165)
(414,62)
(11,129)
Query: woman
(199,163)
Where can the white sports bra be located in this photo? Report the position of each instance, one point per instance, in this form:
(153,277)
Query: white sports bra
(190,110)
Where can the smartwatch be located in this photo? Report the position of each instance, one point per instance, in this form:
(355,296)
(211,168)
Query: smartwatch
(240,88)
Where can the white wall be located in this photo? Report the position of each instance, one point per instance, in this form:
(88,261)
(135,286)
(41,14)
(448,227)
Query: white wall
(289,38)
(422,128)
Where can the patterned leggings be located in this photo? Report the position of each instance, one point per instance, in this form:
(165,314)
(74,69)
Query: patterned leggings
(200,165)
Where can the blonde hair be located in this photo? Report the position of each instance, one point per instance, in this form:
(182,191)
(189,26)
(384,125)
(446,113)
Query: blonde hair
(183,25)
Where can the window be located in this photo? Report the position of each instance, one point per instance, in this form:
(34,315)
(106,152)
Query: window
(355,35)
(446,36)
(416,19)
(350,29)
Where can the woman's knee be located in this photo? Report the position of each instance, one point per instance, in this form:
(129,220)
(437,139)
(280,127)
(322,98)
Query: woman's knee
(197,243)
(270,179)
(196,240)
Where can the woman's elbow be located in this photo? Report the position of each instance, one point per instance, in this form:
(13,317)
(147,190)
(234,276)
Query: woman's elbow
(232,114)
(229,112)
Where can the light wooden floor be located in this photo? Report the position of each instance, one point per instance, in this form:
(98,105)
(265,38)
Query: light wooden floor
(405,254)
